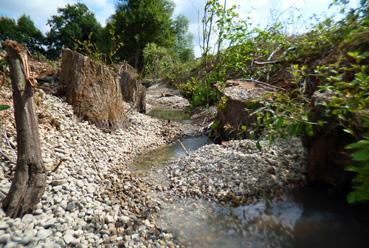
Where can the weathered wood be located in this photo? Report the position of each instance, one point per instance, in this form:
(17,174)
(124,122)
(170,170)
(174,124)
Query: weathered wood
(93,90)
(132,88)
(29,180)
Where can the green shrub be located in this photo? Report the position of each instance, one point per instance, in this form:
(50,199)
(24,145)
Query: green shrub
(360,154)
(335,64)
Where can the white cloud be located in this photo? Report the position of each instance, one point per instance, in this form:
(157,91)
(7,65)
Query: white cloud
(40,11)
(36,9)
(259,11)
(103,9)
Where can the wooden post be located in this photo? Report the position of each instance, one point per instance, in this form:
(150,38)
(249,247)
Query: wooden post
(29,180)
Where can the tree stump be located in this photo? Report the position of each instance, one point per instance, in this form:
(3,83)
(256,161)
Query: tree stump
(29,180)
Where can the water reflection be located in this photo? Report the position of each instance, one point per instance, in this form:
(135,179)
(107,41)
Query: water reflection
(289,221)
(299,219)
(159,157)
(172,115)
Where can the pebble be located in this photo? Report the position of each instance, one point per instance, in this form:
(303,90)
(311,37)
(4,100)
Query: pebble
(44,233)
(27,218)
(26,239)
(3,225)
(76,198)
(58,182)
(124,219)
(237,171)
(71,206)
(68,237)
(4,238)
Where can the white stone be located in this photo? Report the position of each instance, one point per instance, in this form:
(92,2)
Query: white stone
(68,237)
(4,238)
(44,233)
(28,218)
(3,225)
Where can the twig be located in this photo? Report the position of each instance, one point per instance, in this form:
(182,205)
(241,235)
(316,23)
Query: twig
(7,139)
(183,147)
(6,157)
(129,110)
(57,166)
(204,121)
(263,83)
(267,62)
(274,52)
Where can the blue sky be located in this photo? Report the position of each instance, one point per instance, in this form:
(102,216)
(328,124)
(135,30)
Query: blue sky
(260,11)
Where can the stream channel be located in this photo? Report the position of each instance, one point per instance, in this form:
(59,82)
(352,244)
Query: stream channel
(300,218)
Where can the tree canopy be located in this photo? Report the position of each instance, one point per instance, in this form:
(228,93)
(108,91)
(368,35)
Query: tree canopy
(183,45)
(24,31)
(72,25)
(133,26)
(140,23)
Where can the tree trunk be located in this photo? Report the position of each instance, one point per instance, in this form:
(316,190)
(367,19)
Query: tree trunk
(29,181)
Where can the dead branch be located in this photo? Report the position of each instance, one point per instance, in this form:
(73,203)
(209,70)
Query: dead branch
(267,62)
(57,166)
(183,147)
(263,83)
(6,157)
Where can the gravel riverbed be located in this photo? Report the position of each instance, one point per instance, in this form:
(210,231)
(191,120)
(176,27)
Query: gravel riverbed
(91,199)
(237,171)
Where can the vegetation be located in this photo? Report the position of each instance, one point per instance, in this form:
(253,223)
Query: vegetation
(4,107)
(325,68)
(24,31)
(73,25)
(183,40)
(140,23)
(333,76)
(134,26)
(361,157)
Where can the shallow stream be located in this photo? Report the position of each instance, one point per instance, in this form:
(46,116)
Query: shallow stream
(171,115)
(300,218)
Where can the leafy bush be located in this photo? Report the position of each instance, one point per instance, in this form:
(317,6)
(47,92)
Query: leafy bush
(327,67)
(165,64)
(159,61)
(334,65)
(361,156)
(236,49)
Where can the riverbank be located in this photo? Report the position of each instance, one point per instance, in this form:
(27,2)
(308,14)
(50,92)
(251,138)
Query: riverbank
(91,198)
(237,171)
(176,195)
(94,199)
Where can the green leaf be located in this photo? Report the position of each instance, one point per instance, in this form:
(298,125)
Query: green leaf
(4,107)
(352,168)
(348,131)
(361,155)
(309,130)
(359,144)
(258,145)
(351,198)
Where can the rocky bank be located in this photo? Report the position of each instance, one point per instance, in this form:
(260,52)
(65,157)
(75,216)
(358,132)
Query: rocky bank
(236,172)
(91,200)
(94,200)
